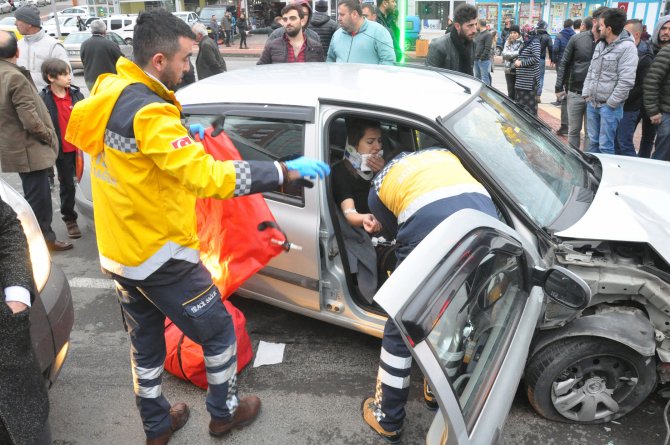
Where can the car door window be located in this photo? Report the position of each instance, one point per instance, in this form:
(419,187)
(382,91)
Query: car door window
(115,24)
(116,39)
(261,139)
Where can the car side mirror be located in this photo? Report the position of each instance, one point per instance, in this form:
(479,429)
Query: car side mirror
(566,288)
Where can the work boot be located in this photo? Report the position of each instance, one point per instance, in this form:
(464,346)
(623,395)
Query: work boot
(73,229)
(563,131)
(246,412)
(369,407)
(428,396)
(179,414)
(58,246)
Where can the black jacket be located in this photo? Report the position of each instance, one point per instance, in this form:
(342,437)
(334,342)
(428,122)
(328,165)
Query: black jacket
(575,63)
(546,43)
(657,84)
(276,51)
(209,61)
(444,53)
(390,22)
(645,56)
(98,55)
(325,27)
(24,404)
(483,42)
(48,98)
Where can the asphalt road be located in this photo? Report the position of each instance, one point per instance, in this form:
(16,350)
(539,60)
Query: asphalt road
(313,397)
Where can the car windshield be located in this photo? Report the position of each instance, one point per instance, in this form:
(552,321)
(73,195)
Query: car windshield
(78,37)
(539,174)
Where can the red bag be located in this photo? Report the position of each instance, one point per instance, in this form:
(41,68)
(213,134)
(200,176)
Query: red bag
(233,248)
(184,357)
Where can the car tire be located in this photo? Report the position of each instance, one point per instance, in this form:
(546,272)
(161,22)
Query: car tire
(588,380)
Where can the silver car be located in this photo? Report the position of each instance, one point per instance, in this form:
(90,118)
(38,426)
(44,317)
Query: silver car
(72,44)
(598,216)
(52,313)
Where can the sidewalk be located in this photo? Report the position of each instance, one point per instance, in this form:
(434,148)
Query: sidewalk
(255,42)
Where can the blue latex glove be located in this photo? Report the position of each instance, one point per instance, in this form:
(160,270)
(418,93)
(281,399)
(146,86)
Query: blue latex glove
(307,167)
(198,129)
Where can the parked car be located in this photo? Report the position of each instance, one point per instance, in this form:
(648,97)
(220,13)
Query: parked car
(591,214)
(218,11)
(191,18)
(5,7)
(72,44)
(52,312)
(67,25)
(81,11)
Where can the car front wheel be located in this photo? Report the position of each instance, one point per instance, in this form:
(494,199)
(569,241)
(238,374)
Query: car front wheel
(588,380)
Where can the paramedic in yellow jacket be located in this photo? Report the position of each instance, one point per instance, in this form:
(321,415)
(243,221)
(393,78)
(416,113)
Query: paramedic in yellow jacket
(411,196)
(146,173)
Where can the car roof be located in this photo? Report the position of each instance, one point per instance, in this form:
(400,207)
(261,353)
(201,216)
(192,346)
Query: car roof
(418,90)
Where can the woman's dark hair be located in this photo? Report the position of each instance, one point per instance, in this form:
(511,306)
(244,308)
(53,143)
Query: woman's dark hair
(356,129)
(54,67)
(158,31)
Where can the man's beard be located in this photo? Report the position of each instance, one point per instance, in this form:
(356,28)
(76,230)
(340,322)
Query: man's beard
(463,37)
(169,83)
(294,32)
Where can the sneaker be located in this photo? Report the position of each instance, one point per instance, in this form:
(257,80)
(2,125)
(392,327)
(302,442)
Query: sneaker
(179,414)
(73,229)
(429,397)
(370,418)
(246,412)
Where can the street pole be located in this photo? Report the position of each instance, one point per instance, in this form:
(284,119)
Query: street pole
(53,9)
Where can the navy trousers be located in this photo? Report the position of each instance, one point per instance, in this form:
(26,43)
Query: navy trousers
(65,165)
(38,194)
(184,292)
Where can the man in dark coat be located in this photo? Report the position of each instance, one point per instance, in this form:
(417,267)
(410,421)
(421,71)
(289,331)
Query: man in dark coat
(29,145)
(321,22)
(387,16)
(560,43)
(455,51)
(209,61)
(295,45)
(24,404)
(98,55)
(546,46)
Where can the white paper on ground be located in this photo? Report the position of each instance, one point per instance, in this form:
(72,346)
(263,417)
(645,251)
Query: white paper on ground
(269,353)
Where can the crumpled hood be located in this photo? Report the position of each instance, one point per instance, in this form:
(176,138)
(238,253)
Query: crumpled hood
(319,19)
(631,204)
(88,121)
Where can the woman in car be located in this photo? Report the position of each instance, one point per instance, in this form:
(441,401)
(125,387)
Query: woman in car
(352,176)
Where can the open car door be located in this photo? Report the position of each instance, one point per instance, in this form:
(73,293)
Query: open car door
(463,303)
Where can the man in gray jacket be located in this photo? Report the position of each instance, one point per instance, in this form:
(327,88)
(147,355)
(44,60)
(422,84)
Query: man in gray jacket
(610,78)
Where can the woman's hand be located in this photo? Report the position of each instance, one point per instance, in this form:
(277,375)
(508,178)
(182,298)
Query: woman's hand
(370,223)
(517,63)
(376,163)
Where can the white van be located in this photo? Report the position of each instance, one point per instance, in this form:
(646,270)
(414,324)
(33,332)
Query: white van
(122,24)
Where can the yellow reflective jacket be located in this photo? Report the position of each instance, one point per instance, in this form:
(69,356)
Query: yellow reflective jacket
(146,172)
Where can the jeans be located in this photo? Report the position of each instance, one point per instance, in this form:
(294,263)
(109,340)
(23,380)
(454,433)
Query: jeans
(543,67)
(623,144)
(577,117)
(483,71)
(38,194)
(662,150)
(601,125)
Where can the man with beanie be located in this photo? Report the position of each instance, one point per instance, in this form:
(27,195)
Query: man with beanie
(387,17)
(546,45)
(98,54)
(305,21)
(656,89)
(456,51)
(36,45)
(483,40)
(324,26)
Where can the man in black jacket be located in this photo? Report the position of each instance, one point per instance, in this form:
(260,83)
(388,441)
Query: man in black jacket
(455,51)
(324,26)
(623,144)
(24,404)
(98,55)
(209,61)
(571,75)
(657,90)
(387,17)
(483,41)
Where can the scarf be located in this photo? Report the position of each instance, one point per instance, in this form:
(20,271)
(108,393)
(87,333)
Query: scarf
(464,52)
